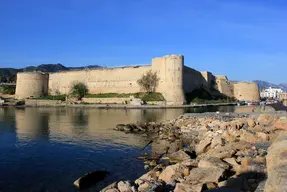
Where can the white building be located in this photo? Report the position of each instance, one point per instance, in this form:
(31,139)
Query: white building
(271,93)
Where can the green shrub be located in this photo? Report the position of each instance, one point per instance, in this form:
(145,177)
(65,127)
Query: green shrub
(153,96)
(79,89)
(203,101)
(52,97)
(7,89)
(149,81)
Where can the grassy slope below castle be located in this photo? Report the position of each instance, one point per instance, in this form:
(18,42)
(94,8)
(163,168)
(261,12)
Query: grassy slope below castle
(141,95)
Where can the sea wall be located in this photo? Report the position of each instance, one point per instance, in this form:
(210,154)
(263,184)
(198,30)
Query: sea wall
(107,100)
(39,102)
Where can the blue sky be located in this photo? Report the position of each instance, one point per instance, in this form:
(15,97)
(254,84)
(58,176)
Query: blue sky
(243,39)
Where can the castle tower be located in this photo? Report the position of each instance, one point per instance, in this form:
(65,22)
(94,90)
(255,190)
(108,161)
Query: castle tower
(246,91)
(170,71)
(33,84)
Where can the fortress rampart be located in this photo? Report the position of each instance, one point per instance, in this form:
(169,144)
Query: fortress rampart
(31,84)
(175,80)
(246,91)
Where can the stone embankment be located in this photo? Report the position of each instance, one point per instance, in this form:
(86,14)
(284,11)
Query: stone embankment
(213,152)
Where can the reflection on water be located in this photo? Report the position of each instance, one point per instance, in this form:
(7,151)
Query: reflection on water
(46,149)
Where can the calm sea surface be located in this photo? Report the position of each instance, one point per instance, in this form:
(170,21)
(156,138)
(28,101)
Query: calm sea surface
(47,149)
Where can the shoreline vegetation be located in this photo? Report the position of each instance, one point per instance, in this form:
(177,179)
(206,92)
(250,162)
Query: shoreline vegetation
(7,89)
(153,96)
(211,151)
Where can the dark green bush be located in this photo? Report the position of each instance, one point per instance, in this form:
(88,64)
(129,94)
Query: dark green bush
(149,81)
(79,89)
(53,97)
(7,89)
(153,96)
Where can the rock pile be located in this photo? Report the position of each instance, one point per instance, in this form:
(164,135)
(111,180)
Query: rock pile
(218,151)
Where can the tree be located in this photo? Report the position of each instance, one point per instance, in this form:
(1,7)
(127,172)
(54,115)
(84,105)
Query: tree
(79,89)
(149,81)
(11,79)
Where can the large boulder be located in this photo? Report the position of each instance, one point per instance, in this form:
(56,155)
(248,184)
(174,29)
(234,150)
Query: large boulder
(219,152)
(277,165)
(217,141)
(186,187)
(179,156)
(212,162)
(148,177)
(204,175)
(251,137)
(126,186)
(151,186)
(265,119)
(203,145)
(277,179)
(251,122)
(172,172)
(232,162)
(281,123)
(277,152)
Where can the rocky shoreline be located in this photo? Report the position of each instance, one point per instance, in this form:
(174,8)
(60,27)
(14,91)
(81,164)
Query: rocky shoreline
(213,152)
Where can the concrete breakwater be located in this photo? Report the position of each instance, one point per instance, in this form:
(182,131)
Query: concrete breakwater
(212,152)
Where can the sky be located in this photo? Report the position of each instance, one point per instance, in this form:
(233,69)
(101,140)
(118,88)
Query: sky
(242,39)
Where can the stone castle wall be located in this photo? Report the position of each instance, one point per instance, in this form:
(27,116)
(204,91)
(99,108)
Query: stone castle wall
(31,84)
(170,72)
(175,80)
(110,80)
(248,91)
(224,86)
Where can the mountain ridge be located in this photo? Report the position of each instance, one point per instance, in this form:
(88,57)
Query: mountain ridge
(264,84)
(9,74)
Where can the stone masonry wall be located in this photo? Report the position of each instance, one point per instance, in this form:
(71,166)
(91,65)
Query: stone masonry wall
(193,80)
(246,91)
(31,84)
(224,86)
(175,80)
(110,80)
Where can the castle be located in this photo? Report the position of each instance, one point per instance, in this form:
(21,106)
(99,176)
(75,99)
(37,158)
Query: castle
(175,80)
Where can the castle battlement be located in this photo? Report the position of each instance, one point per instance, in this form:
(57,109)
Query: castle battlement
(175,80)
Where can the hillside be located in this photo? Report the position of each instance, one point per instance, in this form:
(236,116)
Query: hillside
(9,74)
(265,84)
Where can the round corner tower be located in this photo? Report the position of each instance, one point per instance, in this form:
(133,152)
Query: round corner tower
(170,71)
(246,91)
(31,84)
